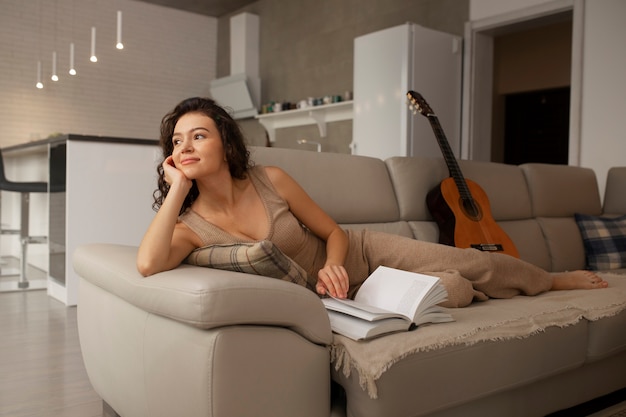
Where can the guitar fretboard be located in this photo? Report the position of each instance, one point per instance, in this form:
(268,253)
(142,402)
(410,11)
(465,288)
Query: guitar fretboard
(448,156)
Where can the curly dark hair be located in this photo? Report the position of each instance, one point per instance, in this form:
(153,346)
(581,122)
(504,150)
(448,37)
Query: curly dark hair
(237,154)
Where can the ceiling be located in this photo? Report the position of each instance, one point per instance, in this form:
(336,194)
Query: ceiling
(215,8)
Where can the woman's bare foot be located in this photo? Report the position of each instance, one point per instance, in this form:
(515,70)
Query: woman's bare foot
(572,280)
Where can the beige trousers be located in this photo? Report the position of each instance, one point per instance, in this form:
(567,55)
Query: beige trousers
(467,274)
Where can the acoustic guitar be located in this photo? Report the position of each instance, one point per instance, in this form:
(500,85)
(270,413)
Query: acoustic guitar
(460,206)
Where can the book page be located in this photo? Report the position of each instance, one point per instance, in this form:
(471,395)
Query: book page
(357,329)
(395,290)
(363,311)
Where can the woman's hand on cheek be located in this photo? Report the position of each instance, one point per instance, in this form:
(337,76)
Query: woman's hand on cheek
(333,280)
(173,174)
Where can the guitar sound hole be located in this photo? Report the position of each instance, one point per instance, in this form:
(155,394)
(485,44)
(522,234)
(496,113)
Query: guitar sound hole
(471,209)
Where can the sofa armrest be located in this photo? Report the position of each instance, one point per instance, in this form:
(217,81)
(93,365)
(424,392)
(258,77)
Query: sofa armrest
(203,297)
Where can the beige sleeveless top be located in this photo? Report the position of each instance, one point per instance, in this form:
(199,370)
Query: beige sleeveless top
(285,231)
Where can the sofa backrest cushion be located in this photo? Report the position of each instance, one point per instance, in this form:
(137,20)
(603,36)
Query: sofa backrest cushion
(401,228)
(506,189)
(412,179)
(557,192)
(509,198)
(505,186)
(529,241)
(351,189)
(562,190)
(615,191)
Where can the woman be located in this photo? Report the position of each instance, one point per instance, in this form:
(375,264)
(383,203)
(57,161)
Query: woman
(209,193)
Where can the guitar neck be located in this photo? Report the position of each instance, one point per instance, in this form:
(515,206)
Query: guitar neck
(448,156)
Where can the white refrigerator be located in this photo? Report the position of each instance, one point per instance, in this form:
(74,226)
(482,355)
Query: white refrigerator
(387,64)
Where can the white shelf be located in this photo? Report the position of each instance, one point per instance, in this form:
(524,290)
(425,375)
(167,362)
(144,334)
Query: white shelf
(319,115)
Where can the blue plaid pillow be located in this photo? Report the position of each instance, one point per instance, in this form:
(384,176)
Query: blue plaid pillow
(605,241)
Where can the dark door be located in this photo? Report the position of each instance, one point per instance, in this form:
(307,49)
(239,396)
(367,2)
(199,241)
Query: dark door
(537,127)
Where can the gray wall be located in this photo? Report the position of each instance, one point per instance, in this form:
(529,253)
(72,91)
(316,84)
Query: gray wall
(306,50)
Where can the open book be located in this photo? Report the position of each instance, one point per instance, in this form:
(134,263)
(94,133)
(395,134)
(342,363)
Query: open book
(390,300)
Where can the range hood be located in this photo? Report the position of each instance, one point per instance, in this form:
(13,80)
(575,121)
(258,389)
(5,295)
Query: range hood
(240,92)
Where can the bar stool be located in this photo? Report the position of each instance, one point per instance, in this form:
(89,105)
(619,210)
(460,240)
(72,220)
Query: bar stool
(25,189)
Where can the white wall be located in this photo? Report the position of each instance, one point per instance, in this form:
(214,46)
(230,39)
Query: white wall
(169,55)
(603,124)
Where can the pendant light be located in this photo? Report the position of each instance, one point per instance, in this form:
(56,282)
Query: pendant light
(93,58)
(54,76)
(39,83)
(72,69)
(119,44)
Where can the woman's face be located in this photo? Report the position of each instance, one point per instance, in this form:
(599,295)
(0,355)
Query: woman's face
(198,149)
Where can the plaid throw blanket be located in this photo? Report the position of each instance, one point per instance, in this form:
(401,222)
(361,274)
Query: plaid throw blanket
(493,320)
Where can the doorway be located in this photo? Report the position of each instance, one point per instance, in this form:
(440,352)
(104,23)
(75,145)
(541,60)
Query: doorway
(537,127)
(485,91)
(531,78)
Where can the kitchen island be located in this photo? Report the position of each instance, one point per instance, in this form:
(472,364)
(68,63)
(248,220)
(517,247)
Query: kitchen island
(100,190)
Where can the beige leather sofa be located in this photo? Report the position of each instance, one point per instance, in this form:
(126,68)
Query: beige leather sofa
(201,342)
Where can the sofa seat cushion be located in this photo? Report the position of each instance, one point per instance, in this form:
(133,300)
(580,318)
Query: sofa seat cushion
(493,320)
(607,336)
(400,228)
(425,230)
(421,383)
